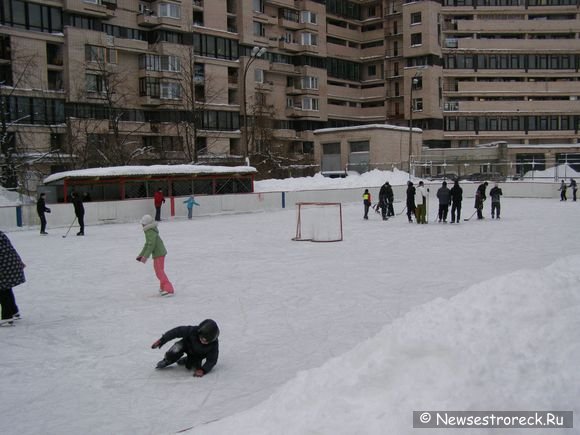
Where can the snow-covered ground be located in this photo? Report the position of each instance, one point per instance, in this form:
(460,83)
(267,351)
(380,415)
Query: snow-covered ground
(336,338)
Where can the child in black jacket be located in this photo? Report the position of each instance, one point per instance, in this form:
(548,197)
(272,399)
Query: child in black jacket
(198,343)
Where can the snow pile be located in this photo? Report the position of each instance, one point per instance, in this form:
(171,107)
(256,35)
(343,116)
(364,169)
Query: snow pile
(8,198)
(374,178)
(556,172)
(510,343)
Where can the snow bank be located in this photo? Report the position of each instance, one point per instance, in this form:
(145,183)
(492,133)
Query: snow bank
(510,343)
(374,178)
(8,198)
(561,172)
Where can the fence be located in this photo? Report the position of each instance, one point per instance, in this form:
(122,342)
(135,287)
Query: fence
(24,216)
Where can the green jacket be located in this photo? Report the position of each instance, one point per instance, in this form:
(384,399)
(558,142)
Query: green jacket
(153,244)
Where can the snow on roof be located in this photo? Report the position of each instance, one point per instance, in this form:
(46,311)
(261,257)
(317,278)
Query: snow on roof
(549,145)
(130,171)
(367,127)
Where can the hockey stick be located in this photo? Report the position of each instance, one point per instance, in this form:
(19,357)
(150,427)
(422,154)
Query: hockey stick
(402,211)
(69,228)
(466,219)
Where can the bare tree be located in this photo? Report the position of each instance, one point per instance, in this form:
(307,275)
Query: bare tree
(199,91)
(21,66)
(108,141)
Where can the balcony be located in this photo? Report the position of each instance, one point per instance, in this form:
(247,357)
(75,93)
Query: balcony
(92,8)
(151,21)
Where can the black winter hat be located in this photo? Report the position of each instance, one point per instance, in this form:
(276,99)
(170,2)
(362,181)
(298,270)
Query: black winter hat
(208,329)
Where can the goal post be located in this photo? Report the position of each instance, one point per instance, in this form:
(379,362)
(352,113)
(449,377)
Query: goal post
(318,221)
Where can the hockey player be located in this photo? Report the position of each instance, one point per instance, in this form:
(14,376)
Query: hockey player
(495,195)
(383,200)
(41,208)
(480,198)
(456,199)
(421,203)
(562,190)
(410,201)
(444,197)
(198,343)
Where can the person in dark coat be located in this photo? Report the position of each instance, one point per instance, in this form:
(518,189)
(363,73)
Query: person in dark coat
(456,198)
(390,200)
(77,201)
(198,343)
(562,190)
(574,188)
(410,201)
(11,275)
(444,197)
(480,198)
(41,208)
(383,201)
(495,193)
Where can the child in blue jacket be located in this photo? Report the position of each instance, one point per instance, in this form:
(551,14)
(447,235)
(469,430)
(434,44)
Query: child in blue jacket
(190,202)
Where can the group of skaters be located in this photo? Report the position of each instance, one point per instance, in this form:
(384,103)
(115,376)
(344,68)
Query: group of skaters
(417,199)
(197,348)
(563,189)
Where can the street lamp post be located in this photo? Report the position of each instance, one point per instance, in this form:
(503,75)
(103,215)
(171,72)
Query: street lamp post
(414,82)
(256,53)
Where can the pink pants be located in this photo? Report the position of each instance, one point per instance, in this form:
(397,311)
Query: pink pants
(159,267)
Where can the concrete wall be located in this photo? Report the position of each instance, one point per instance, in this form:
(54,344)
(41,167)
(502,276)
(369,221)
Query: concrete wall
(132,210)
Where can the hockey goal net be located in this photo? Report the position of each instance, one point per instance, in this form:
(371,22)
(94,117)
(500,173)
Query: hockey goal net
(318,221)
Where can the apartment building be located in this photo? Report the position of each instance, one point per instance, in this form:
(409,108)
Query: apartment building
(107,82)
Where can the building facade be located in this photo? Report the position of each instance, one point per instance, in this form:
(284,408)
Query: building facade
(113,82)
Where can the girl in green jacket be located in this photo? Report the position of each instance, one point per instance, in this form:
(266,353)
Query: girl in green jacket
(154,247)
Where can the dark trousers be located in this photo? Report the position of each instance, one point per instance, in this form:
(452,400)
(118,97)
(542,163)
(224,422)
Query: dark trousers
(9,307)
(81,219)
(495,209)
(158,213)
(410,211)
(574,194)
(455,208)
(563,196)
(367,205)
(390,209)
(175,353)
(42,223)
(384,208)
(443,210)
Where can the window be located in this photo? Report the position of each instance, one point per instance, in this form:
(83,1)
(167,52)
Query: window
(170,63)
(170,90)
(259,75)
(55,81)
(94,83)
(259,29)
(169,10)
(417,104)
(331,148)
(309,103)
(308,17)
(372,70)
(359,146)
(258,5)
(372,11)
(416,18)
(54,54)
(199,72)
(94,53)
(309,38)
(416,39)
(309,82)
